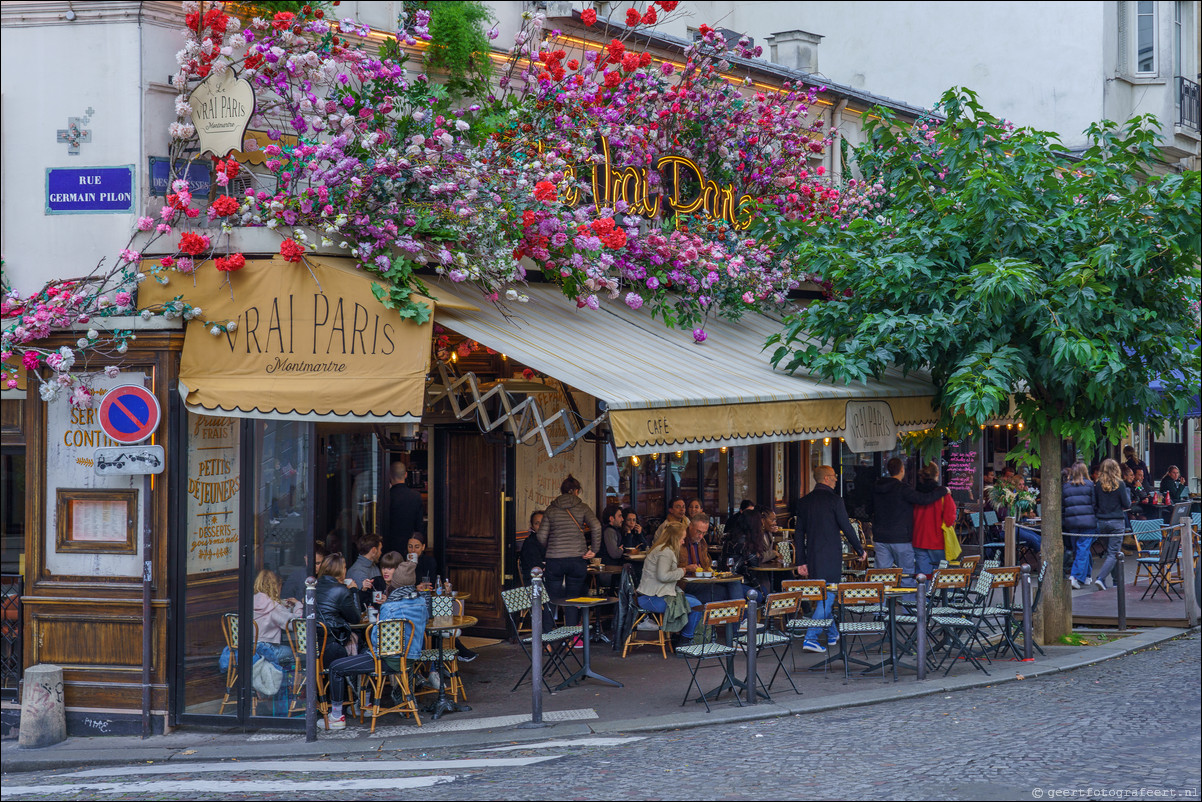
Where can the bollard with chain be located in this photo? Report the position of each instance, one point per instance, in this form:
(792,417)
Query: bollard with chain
(752,642)
(922,626)
(310,660)
(1120,586)
(536,648)
(1026,579)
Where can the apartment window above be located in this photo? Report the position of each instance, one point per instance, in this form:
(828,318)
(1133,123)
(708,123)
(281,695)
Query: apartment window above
(1145,38)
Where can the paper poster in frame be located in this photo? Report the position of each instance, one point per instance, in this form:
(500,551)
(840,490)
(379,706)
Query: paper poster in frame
(97,520)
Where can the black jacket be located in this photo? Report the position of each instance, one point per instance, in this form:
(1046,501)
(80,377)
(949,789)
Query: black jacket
(893,503)
(404,518)
(1077,507)
(335,604)
(1111,506)
(821,516)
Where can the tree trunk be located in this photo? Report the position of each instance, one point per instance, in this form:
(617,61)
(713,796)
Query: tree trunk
(1056,618)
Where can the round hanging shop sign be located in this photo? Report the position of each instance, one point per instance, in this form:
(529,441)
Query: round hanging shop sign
(129,413)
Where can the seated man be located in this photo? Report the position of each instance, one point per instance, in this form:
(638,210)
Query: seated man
(364,569)
(403,602)
(695,551)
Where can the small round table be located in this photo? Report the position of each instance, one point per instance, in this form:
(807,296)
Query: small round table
(437,626)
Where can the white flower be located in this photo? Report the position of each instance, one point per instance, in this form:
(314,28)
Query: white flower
(231,326)
(215,331)
(93,334)
(511,294)
(146,314)
(81,343)
(111,371)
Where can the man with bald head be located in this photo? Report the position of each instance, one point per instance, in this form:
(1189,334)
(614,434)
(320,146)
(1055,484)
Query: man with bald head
(821,518)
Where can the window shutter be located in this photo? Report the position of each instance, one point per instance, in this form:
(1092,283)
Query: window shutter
(1124,39)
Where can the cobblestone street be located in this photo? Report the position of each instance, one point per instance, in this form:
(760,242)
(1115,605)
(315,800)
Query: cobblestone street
(1125,728)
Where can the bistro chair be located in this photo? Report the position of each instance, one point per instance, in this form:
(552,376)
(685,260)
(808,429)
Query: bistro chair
(956,622)
(297,633)
(519,601)
(774,639)
(646,637)
(695,654)
(814,592)
(890,577)
(1015,622)
(851,597)
(390,666)
(1161,567)
(229,628)
(443,662)
(785,550)
(1004,579)
(1147,536)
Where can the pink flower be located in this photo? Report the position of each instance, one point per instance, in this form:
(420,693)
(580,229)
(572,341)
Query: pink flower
(699,335)
(145,223)
(122,299)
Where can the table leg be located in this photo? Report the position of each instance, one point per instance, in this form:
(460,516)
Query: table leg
(442,704)
(586,669)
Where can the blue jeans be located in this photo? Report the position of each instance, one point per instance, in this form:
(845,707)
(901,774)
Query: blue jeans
(899,555)
(1028,537)
(927,560)
(1083,561)
(1114,548)
(659,604)
(823,610)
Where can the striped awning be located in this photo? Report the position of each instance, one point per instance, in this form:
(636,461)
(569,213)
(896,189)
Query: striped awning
(664,391)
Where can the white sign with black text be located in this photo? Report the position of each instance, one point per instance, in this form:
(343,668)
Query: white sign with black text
(870,427)
(129,460)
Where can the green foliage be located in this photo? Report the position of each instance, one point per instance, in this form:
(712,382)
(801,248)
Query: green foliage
(459,46)
(1008,270)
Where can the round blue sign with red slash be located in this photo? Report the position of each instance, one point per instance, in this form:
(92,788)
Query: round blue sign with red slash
(129,413)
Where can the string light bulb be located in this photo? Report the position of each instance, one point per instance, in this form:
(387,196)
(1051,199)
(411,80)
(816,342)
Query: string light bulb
(1020,426)
(679,453)
(723,449)
(826,441)
(635,461)
(655,455)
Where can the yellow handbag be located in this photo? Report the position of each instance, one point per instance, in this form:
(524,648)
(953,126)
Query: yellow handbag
(951,543)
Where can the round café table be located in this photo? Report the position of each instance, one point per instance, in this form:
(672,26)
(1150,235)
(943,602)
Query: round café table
(437,627)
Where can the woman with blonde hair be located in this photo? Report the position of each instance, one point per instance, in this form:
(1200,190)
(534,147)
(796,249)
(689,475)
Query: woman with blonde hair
(272,614)
(661,572)
(1077,518)
(1111,501)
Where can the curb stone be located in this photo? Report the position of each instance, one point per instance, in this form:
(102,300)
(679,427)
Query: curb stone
(93,752)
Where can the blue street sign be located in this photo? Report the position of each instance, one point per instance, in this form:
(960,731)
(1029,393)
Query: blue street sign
(90,190)
(200,177)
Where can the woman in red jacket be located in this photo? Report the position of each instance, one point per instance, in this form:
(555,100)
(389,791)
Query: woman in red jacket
(929,520)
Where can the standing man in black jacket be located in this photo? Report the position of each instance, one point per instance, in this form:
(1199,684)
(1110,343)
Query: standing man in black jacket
(893,517)
(821,517)
(404,510)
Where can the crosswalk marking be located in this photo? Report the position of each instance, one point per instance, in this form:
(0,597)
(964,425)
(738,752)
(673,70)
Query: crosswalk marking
(552,744)
(275,787)
(301,765)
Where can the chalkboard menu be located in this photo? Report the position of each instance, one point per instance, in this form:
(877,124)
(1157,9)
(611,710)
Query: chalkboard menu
(963,477)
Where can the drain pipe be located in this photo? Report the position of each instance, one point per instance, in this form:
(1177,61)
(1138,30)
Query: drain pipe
(836,148)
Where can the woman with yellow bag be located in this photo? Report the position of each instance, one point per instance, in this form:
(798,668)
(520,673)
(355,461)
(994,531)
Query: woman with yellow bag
(929,522)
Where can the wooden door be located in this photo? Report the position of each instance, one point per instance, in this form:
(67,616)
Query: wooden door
(472,489)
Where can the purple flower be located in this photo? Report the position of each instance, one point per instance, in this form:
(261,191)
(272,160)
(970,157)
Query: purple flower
(699,335)
(633,301)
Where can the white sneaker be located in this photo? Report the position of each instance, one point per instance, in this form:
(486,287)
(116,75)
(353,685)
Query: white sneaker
(1101,583)
(1072,580)
(811,646)
(647,625)
(337,722)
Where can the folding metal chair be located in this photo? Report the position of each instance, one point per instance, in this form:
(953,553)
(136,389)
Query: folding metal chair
(716,614)
(814,592)
(778,608)
(1147,536)
(517,601)
(1162,567)
(853,596)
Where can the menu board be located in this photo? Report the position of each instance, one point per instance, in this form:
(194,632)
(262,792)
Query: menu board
(963,477)
(213,494)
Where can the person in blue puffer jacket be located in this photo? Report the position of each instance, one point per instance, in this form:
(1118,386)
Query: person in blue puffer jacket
(1077,517)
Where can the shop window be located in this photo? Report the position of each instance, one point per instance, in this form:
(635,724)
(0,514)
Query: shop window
(12,509)
(743,475)
(651,485)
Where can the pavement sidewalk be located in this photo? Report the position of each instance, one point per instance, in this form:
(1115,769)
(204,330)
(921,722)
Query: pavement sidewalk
(649,702)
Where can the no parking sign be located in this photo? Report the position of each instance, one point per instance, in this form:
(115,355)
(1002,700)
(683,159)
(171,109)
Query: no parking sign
(129,413)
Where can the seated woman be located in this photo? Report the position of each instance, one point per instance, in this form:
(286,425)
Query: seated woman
(336,607)
(633,536)
(272,615)
(403,601)
(747,546)
(661,572)
(1173,486)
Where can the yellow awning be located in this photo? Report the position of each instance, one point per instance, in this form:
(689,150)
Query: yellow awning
(310,343)
(664,391)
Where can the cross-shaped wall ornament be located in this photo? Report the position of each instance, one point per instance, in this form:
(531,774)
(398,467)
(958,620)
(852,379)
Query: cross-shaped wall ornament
(75,133)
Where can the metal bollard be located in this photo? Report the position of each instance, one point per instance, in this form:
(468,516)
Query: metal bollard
(310,660)
(536,647)
(922,627)
(1026,577)
(752,640)
(1120,585)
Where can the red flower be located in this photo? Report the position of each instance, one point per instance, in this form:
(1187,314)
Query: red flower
(231,167)
(216,20)
(291,250)
(667,5)
(192,20)
(253,60)
(545,191)
(193,244)
(573,64)
(704,29)
(616,51)
(167,261)
(650,18)
(231,263)
(632,17)
(30,360)
(282,20)
(644,59)
(225,206)
(630,62)
(588,16)
(612,79)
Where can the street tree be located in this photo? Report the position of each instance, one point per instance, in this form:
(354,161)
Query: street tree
(1026,280)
